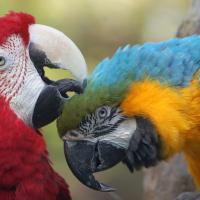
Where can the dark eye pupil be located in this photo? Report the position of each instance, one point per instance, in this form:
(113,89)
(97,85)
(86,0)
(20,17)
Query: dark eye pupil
(102,112)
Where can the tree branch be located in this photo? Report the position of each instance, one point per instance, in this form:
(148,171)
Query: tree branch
(191,25)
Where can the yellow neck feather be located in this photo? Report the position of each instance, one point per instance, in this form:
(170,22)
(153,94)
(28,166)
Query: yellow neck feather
(175,112)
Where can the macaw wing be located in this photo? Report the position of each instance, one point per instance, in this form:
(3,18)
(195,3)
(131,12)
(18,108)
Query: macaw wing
(172,62)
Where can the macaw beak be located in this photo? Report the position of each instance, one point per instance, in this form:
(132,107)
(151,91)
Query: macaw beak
(50,47)
(89,156)
(135,142)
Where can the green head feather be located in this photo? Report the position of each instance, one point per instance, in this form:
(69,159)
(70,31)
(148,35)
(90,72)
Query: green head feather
(78,106)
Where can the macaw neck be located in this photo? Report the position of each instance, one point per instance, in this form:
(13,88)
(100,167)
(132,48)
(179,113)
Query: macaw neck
(14,131)
(25,171)
(20,145)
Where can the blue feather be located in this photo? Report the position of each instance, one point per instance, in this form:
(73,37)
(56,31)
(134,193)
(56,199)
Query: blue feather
(173,62)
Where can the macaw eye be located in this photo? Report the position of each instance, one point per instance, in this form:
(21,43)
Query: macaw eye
(2,61)
(102,112)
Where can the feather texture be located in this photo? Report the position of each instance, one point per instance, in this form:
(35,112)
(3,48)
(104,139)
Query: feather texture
(157,81)
(25,171)
(15,23)
(173,62)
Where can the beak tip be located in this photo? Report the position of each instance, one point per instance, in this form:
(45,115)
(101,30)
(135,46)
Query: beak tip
(106,188)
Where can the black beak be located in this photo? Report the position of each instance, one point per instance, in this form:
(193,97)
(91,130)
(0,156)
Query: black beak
(50,102)
(87,157)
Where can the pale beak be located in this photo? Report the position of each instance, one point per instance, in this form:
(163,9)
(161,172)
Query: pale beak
(60,51)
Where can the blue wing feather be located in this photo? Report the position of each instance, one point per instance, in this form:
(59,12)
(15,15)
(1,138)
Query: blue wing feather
(173,62)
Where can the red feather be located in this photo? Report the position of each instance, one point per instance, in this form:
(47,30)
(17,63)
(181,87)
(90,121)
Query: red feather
(15,23)
(25,170)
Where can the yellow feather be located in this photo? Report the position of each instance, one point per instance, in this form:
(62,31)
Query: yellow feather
(192,137)
(164,106)
(175,113)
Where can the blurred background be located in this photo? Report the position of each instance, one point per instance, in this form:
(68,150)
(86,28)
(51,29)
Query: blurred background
(98,27)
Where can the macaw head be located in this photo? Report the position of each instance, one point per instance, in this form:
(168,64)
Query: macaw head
(25,48)
(97,133)
(121,116)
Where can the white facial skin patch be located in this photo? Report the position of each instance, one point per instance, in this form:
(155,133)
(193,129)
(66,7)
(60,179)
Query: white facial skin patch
(120,137)
(20,82)
(107,123)
(122,134)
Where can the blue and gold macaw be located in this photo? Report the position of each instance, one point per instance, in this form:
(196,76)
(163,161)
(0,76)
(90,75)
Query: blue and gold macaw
(141,106)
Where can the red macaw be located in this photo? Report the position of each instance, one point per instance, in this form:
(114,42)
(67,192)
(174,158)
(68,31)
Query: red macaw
(29,100)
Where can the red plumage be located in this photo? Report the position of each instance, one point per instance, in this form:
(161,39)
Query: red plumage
(15,23)
(25,170)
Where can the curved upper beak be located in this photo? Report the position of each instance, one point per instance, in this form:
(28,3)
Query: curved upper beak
(50,47)
(58,50)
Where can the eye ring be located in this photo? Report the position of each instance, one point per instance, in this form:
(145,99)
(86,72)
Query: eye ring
(2,61)
(102,112)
